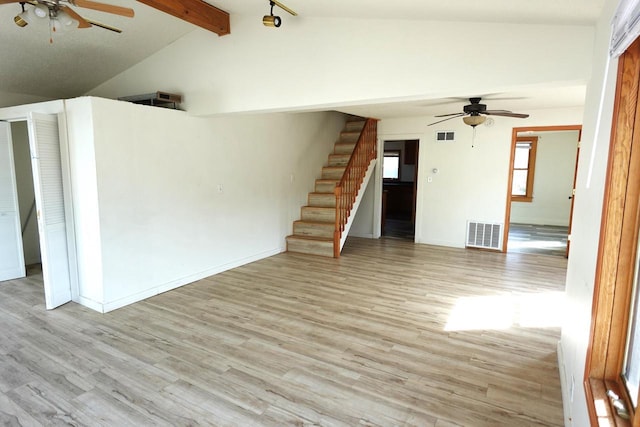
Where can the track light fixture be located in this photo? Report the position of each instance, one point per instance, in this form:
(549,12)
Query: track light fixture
(271,20)
(22,19)
(275,21)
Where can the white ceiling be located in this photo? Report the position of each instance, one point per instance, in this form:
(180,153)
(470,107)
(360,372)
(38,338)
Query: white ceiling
(521,101)
(80,60)
(517,11)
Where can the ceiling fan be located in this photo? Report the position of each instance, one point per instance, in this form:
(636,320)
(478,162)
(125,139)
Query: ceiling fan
(62,17)
(474,113)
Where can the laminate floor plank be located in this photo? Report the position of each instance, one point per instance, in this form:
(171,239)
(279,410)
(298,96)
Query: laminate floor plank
(390,334)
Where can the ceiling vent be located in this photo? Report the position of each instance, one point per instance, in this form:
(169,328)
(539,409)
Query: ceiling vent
(445,136)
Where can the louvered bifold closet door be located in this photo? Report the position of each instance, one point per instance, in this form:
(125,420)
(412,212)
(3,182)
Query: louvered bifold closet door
(47,178)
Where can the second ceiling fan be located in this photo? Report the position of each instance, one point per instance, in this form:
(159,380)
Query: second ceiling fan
(474,113)
(62,17)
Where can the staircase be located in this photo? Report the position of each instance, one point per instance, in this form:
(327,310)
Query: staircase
(321,228)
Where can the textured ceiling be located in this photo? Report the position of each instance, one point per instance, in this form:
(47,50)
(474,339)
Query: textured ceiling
(82,59)
(79,60)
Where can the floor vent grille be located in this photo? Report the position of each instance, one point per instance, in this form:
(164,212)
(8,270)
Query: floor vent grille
(484,235)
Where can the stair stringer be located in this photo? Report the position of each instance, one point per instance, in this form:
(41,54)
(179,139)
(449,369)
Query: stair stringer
(365,181)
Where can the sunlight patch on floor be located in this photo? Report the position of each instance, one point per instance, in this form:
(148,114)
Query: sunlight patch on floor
(542,310)
(536,244)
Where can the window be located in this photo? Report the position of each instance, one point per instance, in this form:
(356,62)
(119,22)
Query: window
(391,165)
(631,368)
(614,346)
(524,164)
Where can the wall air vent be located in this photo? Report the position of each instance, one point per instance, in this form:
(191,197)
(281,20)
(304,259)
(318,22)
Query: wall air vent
(484,235)
(445,136)
(156,99)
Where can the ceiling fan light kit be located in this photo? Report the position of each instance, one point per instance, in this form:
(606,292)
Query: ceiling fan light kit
(63,22)
(474,121)
(62,17)
(475,113)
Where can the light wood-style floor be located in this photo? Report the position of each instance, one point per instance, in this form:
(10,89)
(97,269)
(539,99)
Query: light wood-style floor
(375,338)
(538,239)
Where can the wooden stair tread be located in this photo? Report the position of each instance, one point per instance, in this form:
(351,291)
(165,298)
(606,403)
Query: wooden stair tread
(319,207)
(303,221)
(313,238)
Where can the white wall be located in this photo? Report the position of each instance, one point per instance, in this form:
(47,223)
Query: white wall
(162,220)
(26,193)
(586,226)
(84,192)
(328,62)
(471,183)
(363,222)
(553,181)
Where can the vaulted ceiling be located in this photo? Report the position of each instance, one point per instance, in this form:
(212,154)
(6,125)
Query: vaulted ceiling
(34,69)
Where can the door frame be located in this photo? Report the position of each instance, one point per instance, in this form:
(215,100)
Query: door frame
(51,108)
(377,204)
(514,137)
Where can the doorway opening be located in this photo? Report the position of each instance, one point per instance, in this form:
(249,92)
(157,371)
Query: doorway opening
(39,152)
(399,188)
(26,198)
(540,196)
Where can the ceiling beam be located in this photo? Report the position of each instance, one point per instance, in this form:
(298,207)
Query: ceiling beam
(196,12)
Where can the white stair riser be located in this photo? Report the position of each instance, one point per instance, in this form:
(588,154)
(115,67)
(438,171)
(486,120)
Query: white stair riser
(313,247)
(318,214)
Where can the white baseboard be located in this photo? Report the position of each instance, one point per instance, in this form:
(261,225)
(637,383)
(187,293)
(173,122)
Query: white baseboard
(445,243)
(89,303)
(564,387)
(173,284)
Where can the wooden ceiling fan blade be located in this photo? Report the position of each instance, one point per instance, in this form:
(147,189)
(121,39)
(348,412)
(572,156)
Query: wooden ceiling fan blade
(103,7)
(452,114)
(104,26)
(448,118)
(82,23)
(283,7)
(9,1)
(504,113)
(496,111)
